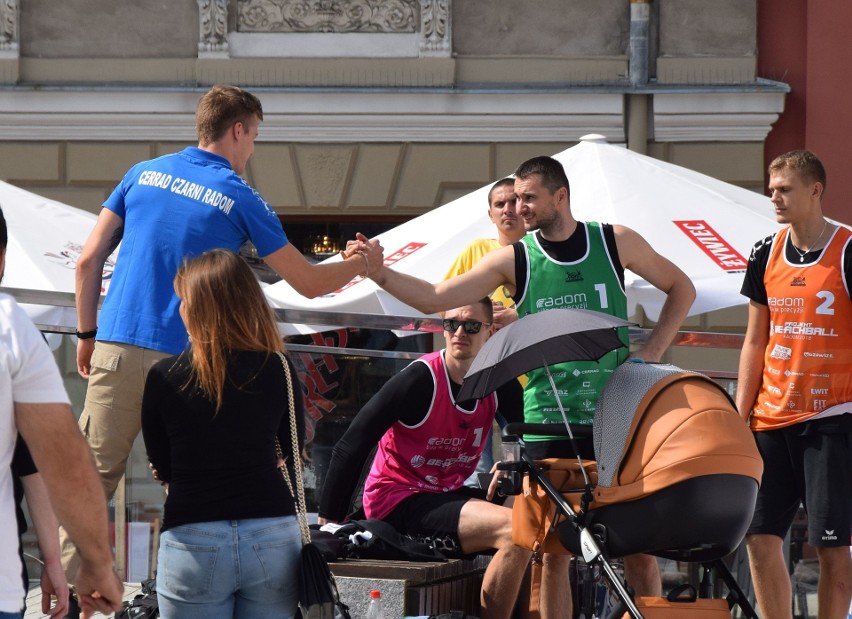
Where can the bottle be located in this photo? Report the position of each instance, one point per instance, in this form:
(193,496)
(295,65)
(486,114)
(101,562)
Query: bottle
(374,609)
(509,482)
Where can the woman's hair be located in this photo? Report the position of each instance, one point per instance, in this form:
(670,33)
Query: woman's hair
(224,310)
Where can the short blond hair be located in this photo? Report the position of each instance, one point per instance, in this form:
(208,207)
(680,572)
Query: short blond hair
(220,108)
(802,162)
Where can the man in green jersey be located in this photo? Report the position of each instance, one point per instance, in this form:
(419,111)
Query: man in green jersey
(565,263)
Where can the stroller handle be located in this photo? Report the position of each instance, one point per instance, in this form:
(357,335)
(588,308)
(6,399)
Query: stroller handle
(547,429)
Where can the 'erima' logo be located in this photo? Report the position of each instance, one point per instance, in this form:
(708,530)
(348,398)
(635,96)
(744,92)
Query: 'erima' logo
(829,535)
(573,276)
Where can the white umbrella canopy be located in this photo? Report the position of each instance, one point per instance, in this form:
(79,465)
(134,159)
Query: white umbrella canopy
(705,226)
(45,240)
(424,246)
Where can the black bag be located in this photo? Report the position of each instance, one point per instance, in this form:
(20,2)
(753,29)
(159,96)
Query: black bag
(318,595)
(144,606)
(384,542)
(332,547)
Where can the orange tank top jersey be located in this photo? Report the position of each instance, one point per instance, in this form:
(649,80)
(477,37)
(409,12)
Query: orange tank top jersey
(806,366)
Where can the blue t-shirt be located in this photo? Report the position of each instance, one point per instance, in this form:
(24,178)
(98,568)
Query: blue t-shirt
(176,207)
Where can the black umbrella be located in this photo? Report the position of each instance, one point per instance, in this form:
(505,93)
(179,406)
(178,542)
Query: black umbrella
(539,340)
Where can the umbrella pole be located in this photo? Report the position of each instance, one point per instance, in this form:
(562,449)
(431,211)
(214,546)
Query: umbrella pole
(567,425)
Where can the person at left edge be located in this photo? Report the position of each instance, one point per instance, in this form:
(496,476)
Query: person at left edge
(163,211)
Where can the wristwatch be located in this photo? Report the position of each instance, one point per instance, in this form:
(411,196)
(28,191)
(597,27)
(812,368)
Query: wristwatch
(86,335)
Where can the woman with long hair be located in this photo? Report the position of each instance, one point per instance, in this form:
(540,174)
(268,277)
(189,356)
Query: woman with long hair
(210,417)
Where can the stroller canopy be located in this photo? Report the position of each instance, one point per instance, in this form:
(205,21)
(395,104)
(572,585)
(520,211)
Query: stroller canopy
(657,425)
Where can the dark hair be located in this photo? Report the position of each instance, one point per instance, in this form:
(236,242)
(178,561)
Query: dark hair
(4,235)
(488,306)
(551,171)
(220,108)
(804,163)
(501,183)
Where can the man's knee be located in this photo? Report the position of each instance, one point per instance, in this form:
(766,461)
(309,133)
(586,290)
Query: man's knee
(835,558)
(762,545)
(642,562)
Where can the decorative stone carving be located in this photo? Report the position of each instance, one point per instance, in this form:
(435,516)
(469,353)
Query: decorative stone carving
(435,30)
(213,27)
(9,25)
(394,16)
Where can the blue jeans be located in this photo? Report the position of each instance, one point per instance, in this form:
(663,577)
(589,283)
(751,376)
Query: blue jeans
(17,615)
(240,569)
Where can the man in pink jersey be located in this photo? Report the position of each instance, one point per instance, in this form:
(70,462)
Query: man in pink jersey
(796,389)
(428,444)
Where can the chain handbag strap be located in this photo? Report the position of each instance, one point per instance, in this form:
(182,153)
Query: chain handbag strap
(299,494)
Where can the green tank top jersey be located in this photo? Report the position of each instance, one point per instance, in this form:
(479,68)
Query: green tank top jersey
(589,283)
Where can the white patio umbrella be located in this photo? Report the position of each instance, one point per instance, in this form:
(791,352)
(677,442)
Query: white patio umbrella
(45,240)
(706,226)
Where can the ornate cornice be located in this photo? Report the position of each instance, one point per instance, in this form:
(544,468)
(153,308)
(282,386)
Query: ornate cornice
(212,27)
(391,16)
(317,116)
(9,25)
(321,116)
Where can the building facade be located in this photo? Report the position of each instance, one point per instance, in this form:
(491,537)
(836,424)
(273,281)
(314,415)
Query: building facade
(378,109)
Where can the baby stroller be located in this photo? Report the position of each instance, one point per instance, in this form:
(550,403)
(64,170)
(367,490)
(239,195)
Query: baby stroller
(676,476)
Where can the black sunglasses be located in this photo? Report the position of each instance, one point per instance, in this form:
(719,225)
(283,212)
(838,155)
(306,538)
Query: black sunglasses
(471,327)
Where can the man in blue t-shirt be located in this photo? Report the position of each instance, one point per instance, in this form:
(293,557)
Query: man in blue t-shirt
(164,211)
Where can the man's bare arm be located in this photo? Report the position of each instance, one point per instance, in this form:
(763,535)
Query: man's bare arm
(638,256)
(76,493)
(312,280)
(750,373)
(46,526)
(102,241)
(497,268)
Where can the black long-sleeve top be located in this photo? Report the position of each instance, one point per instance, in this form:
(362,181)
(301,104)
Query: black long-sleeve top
(221,465)
(406,397)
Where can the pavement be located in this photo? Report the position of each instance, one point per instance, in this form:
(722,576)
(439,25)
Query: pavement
(131,590)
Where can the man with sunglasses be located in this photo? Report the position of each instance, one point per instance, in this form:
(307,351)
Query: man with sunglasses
(572,264)
(428,444)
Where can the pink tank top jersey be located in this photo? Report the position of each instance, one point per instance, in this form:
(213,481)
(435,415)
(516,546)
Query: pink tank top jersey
(436,455)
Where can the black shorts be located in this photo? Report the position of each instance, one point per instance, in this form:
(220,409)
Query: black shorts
(808,463)
(560,448)
(433,518)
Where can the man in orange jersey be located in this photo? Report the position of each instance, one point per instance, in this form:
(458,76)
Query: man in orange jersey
(795,388)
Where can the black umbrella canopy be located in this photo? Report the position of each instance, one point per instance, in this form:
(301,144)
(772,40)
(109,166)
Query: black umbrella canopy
(537,340)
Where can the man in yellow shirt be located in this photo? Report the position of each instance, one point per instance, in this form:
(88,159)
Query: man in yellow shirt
(510,229)
(503,214)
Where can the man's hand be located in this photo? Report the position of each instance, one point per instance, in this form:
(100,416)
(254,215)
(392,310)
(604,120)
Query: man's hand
(371,252)
(98,589)
(492,487)
(504,315)
(53,583)
(85,348)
